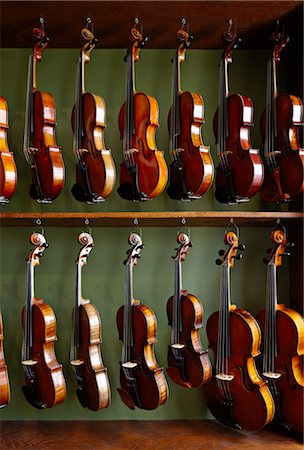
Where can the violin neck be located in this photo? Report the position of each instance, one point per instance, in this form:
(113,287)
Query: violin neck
(76,314)
(28,318)
(222,111)
(129,120)
(79,113)
(128,329)
(270,335)
(270,116)
(175,112)
(29,113)
(223,339)
(177,310)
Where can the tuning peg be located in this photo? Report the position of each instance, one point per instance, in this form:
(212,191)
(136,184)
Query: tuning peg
(241,247)
(218,262)
(221,252)
(39,254)
(285,254)
(290,244)
(238,256)
(137,256)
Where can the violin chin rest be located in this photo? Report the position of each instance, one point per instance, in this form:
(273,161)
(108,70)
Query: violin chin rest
(126,190)
(31,397)
(175,192)
(174,375)
(79,193)
(126,398)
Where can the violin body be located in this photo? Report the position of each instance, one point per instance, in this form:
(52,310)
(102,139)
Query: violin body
(289,364)
(98,171)
(286,180)
(49,388)
(152,172)
(4,380)
(145,386)
(193,367)
(195,158)
(250,405)
(246,168)
(8,170)
(48,170)
(93,386)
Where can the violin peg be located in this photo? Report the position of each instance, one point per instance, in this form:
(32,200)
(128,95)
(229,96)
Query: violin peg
(241,247)
(218,262)
(290,244)
(285,254)
(221,252)
(238,256)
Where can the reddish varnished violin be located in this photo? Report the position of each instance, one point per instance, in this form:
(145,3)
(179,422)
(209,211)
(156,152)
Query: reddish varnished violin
(191,170)
(240,172)
(143,383)
(188,361)
(143,173)
(4,380)
(39,144)
(282,343)
(280,124)
(8,170)
(237,396)
(93,388)
(95,170)
(45,384)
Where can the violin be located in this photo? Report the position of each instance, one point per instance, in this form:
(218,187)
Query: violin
(282,343)
(240,172)
(143,173)
(95,169)
(39,144)
(280,125)
(191,170)
(8,169)
(237,396)
(45,384)
(188,362)
(4,380)
(143,383)
(93,388)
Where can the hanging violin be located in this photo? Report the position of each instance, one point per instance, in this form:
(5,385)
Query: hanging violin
(93,389)
(143,173)
(191,170)
(8,169)
(143,383)
(95,169)
(45,384)
(282,343)
(240,172)
(39,145)
(280,125)
(188,362)
(236,396)
(4,380)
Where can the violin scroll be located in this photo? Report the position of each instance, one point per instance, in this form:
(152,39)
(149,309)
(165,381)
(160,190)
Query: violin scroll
(279,239)
(39,241)
(87,241)
(231,254)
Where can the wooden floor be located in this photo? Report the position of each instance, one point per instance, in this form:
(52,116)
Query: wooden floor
(139,435)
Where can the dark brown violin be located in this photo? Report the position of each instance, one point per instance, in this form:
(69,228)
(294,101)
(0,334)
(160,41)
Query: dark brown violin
(188,361)
(93,388)
(4,380)
(237,396)
(282,343)
(8,169)
(280,124)
(191,170)
(39,144)
(143,173)
(95,169)
(45,384)
(240,172)
(143,383)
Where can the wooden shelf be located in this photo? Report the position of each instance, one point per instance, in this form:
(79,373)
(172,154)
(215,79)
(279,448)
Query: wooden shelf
(149,219)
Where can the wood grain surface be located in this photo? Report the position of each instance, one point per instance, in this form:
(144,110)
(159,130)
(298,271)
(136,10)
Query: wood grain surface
(138,435)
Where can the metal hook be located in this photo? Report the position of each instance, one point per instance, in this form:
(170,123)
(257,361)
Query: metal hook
(87,222)
(42,22)
(280,225)
(89,24)
(136,223)
(234,225)
(184,223)
(38,222)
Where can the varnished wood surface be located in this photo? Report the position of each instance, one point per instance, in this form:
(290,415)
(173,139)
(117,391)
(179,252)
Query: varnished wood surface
(151,219)
(139,435)
(112,21)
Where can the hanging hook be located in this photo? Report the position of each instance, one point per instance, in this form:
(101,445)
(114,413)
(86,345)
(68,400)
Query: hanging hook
(232,224)
(87,222)
(279,225)
(136,223)
(184,223)
(38,222)
(42,22)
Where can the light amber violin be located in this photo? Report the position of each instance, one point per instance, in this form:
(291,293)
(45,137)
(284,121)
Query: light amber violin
(45,384)
(143,173)
(191,170)
(237,395)
(282,343)
(8,169)
(95,169)
(280,126)
(39,144)
(4,380)
(93,388)
(188,362)
(142,380)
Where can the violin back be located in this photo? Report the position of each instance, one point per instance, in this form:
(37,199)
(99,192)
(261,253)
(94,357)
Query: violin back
(8,169)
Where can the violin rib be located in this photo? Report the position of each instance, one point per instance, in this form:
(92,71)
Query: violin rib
(8,169)
(4,380)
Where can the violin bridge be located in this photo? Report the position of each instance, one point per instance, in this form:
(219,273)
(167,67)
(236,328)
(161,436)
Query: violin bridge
(77,362)
(29,362)
(224,377)
(178,346)
(129,365)
(272,375)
